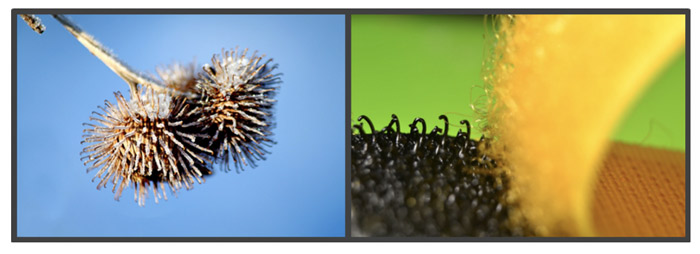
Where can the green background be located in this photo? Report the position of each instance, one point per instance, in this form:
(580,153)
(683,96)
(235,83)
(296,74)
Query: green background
(428,65)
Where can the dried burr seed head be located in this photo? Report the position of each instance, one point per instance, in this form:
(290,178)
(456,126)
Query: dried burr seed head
(236,102)
(145,141)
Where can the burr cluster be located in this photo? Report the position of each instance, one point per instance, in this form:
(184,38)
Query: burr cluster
(162,137)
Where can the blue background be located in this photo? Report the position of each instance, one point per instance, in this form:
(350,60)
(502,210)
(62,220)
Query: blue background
(298,191)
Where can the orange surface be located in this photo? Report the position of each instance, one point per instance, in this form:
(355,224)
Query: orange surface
(640,191)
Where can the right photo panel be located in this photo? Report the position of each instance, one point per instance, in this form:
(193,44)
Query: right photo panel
(518,126)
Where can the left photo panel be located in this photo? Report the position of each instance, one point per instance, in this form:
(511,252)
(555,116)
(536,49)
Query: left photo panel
(180,125)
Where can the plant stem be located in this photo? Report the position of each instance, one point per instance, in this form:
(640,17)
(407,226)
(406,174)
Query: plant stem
(34,22)
(131,77)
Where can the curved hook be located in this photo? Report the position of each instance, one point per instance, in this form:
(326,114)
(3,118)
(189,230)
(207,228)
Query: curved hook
(435,131)
(469,128)
(394,120)
(417,120)
(371,126)
(359,128)
(447,123)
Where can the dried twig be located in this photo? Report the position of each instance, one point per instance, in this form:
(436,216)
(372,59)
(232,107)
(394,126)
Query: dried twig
(131,77)
(34,22)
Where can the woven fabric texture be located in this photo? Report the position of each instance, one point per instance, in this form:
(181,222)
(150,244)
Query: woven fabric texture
(640,191)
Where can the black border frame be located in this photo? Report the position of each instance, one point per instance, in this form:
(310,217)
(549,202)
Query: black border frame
(348,25)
